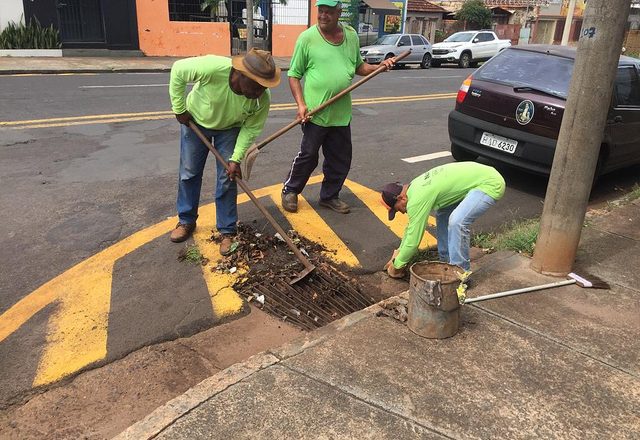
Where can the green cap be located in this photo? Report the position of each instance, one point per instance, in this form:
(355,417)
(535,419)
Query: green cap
(330,3)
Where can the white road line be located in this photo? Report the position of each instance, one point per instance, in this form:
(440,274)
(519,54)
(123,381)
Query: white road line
(123,85)
(424,157)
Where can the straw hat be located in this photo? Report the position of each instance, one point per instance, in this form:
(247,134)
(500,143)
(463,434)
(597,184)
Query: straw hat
(259,66)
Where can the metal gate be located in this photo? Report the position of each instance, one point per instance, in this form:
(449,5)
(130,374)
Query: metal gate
(262,25)
(80,21)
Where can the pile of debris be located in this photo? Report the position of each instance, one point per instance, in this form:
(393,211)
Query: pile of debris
(267,265)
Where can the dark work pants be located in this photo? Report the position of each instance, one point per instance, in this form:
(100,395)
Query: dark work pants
(336,148)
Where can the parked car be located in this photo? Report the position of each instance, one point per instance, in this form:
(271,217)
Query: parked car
(467,48)
(391,45)
(366,34)
(511,108)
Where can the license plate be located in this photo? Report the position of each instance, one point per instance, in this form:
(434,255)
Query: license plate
(498,142)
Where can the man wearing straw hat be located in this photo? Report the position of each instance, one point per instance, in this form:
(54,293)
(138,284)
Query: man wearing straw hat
(459,192)
(230,103)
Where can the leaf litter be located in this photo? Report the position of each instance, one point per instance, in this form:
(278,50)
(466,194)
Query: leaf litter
(266,266)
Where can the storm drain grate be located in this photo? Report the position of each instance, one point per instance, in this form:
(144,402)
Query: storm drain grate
(268,265)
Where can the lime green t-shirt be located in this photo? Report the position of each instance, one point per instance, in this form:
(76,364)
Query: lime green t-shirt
(438,188)
(213,104)
(327,69)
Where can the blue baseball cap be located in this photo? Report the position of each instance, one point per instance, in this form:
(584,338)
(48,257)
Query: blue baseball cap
(330,3)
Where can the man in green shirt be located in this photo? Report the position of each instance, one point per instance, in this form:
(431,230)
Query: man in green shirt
(230,103)
(327,56)
(459,192)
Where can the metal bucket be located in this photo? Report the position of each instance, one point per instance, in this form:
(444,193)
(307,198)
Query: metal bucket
(434,311)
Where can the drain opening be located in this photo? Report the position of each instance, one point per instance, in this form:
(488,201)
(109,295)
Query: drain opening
(267,265)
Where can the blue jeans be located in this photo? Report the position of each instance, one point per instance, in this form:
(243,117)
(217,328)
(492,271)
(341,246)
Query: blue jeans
(193,156)
(452,227)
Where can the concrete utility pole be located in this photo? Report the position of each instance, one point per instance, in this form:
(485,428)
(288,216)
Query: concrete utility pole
(567,23)
(580,136)
(249,25)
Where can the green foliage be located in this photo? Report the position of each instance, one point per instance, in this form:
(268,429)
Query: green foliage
(633,194)
(29,36)
(440,36)
(191,254)
(633,54)
(519,236)
(475,13)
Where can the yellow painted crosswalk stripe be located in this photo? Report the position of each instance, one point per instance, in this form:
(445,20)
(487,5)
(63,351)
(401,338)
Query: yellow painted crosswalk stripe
(224,300)
(310,225)
(372,200)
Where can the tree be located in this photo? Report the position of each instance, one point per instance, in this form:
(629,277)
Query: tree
(475,13)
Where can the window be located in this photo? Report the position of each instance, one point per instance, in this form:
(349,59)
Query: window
(483,37)
(522,68)
(627,87)
(404,41)
(417,41)
(191,10)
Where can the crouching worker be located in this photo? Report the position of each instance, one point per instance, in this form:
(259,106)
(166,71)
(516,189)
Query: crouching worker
(459,193)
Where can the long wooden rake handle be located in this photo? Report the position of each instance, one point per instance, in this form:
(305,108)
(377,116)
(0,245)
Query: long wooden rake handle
(328,102)
(299,255)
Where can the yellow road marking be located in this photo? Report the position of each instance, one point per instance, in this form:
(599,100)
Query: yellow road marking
(77,330)
(372,200)
(147,116)
(310,225)
(224,300)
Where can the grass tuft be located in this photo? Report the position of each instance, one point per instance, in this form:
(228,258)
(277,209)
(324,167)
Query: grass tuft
(191,254)
(519,236)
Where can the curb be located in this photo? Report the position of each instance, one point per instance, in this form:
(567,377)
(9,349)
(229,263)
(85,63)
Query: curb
(163,416)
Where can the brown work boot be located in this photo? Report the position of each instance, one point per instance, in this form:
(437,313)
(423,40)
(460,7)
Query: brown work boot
(337,205)
(290,202)
(182,232)
(226,245)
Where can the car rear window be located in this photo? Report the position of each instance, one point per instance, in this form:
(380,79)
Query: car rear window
(520,68)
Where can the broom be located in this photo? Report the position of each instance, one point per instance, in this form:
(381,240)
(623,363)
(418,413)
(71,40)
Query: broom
(591,283)
(252,152)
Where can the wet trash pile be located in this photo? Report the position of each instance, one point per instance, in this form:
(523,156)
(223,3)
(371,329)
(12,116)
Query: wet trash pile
(266,266)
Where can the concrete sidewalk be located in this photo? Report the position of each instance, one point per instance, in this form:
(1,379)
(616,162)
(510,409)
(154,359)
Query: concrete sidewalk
(52,65)
(560,363)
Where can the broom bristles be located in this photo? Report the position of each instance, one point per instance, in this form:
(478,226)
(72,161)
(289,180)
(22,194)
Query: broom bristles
(589,281)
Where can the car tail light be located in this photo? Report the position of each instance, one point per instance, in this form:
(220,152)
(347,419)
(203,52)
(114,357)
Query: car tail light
(464,88)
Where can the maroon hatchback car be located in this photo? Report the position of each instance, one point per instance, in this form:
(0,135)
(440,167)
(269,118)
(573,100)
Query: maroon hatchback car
(511,108)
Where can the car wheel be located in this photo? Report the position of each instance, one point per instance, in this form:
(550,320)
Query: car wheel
(426,61)
(465,60)
(461,155)
(435,63)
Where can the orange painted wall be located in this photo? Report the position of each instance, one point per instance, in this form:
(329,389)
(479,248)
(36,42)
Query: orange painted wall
(161,37)
(284,38)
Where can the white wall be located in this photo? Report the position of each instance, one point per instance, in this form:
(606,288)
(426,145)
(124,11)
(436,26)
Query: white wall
(295,12)
(10,10)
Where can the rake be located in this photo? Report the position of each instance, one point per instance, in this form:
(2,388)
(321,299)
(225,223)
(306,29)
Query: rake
(308,267)
(252,153)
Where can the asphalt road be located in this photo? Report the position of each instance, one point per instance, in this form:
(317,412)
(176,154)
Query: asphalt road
(88,161)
